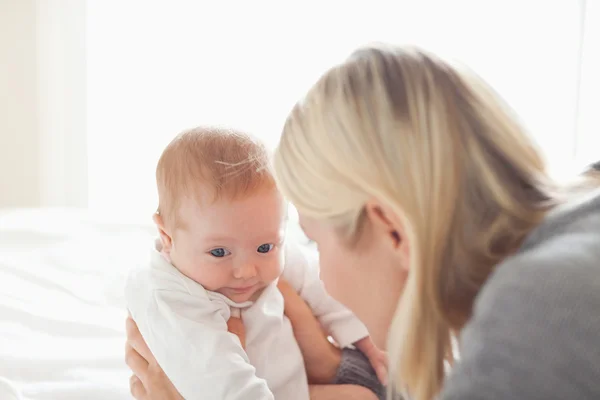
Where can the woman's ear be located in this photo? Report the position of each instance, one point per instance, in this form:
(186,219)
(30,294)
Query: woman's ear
(388,227)
(165,238)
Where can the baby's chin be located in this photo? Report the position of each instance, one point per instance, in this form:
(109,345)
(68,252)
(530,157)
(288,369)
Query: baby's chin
(243,297)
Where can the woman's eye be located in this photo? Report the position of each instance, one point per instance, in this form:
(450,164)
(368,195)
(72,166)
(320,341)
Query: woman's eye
(265,248)
(219,253)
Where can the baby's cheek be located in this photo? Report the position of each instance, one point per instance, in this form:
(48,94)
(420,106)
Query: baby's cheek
(274,270)
(212,278)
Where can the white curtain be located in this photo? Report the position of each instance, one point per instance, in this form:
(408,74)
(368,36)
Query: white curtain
(588,118)
(156,68)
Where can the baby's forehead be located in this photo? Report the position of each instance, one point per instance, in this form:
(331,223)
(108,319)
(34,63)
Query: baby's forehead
(253,214)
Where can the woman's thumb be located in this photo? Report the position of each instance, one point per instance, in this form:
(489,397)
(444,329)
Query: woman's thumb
(236,326)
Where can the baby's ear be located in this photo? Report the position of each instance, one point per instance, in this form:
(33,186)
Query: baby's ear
(165,237)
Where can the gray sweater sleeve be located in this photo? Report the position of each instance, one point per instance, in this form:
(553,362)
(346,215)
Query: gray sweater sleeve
(535,332)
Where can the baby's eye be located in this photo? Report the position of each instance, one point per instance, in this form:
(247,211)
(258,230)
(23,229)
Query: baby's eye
(265,248)
(220,252)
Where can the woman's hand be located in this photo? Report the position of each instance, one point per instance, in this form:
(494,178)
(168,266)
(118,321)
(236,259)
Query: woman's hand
(236,326)
(321,358)
(148,381)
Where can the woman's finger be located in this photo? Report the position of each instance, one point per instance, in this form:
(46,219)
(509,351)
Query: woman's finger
(382,374)
(135,362)
(137,388)
(236,326)
(135,339)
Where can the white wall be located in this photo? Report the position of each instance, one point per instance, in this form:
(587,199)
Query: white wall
(172,71)
(52,153)
(588,139)
(19,139)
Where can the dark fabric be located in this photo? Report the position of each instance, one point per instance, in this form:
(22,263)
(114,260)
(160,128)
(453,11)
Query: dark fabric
(355,369)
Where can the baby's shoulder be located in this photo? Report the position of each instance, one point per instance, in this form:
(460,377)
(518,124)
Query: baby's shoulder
(300,262)
(150,279)
(294,256)
(155,291)
(157,274)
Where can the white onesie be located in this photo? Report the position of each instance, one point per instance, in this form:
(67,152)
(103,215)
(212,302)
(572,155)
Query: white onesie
(185,327)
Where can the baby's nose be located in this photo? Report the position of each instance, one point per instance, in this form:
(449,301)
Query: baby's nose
(245,271)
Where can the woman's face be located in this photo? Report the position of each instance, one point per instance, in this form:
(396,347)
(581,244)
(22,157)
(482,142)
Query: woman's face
(367,277)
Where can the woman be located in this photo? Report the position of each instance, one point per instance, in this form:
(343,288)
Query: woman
(435,219)
(593,170)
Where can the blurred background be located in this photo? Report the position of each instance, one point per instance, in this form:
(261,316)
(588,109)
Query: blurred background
(92,90)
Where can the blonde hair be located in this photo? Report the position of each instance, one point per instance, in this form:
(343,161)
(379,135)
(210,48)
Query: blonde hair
(438,147)
(209,163)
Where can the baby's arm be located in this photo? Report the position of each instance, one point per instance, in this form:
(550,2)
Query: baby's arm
(188,336)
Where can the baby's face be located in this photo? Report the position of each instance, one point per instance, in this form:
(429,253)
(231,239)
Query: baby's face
(232,247)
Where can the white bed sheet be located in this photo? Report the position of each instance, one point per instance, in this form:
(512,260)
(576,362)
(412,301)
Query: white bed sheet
(61,302)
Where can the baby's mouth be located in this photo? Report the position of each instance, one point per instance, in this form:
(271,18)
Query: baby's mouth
(243,289)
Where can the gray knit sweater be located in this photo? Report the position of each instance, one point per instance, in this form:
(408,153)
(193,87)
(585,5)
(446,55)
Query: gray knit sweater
(535,332)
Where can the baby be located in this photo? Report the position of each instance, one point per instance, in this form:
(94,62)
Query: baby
(220,253)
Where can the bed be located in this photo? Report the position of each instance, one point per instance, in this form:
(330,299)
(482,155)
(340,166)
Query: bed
(61,304)
(62,309)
